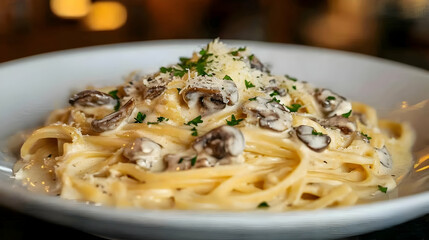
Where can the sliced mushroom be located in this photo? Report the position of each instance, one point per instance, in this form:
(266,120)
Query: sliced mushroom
(344,124)
(313,140)
(147,87)
(385,157)
(274,86)
(113,120)
(270,114)
(220,143)
(91,98)
(257,64)
(211,94)
(331,103)
(153,87)
(145,152)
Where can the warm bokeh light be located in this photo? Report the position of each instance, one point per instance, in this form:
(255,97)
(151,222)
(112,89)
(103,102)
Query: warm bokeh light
(105,16)
(70,8)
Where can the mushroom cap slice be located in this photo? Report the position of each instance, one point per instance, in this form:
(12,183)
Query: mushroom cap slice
(221,142)
(316,142)
(344,124)
(274,86)
(145,152)
(331,103)
(91,98)
(255,63)
(270,114)
(113,120)
(153,87)
(210,94)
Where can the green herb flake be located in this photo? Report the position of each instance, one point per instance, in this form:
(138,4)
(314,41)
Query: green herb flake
(314,132)
(294,87)
(291,78)
(233,121)
(195,121)
(382,189)
(227,78)
(365,135)
(235,53)
(194,132)
(140,117)
(329,98)
(162,119)
(347,115)
(252,99)
(251,57)
(248,84)
(274,93)
(294,107)
(193,161)
(114,95)
(274,99)
(180,161)
(263,205)
(179,89)
(164,70)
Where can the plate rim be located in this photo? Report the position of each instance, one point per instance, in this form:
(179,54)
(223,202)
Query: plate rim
(251,218)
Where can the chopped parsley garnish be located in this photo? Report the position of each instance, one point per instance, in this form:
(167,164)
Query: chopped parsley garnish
(165,70)
(140,117)
(294,107)
(186,63)
(180,161)
(274,93)
(248,84)
(50,155)
(329,98)
(294,87)
(159,119)
(314,132)
(195,121)
(275,100)
(178,89)
(200,65)
(193,161)
(365,135)
(235,53)
(203,51)
(382,189)
(347,115)
(252,99)
(234,121)
(194,132)
(227,78)
(251,57)
(176,71)
(114,95)
(291,78)
(263,205)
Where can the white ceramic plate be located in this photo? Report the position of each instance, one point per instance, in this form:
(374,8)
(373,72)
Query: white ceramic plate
(32,87)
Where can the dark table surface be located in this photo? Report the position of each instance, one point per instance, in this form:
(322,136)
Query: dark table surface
(17,226)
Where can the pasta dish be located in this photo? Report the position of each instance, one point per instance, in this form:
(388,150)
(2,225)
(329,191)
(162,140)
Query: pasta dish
(216,131)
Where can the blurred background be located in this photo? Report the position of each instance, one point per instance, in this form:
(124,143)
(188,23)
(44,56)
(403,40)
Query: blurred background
(391,29)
